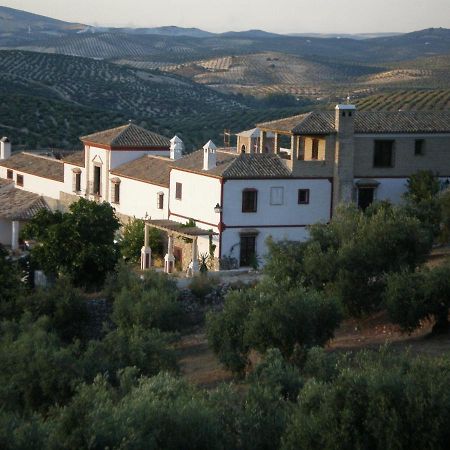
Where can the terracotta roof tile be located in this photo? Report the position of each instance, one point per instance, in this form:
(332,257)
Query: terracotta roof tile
(366,122)
(76,158)
(151,169)
(40,166)
(232,165)
(129,135)
(16,204)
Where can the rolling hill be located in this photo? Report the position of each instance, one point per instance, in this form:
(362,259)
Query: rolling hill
(101,85)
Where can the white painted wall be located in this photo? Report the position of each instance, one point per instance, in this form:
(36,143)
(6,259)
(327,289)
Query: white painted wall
(231,239)
(139,199)
(69,176)
(200,196)
(38,185)
(119,157)
(289,213)
(98,156)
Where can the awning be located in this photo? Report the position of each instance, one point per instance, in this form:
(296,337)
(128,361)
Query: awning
(367,182)
(177,228)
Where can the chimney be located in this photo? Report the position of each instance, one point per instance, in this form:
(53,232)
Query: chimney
(209,155)
(5,148)
(176,148)
(344,119)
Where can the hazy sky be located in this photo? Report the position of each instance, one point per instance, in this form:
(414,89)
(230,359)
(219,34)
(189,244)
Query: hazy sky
(283,16)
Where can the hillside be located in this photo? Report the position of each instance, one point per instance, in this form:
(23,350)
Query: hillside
(100,85)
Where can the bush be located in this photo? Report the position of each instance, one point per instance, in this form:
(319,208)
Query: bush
(65,307)
(149,303)
(415,296)
(290,319)
(149,351)
(226,330)
(202,285)
(379,401)
(37,371)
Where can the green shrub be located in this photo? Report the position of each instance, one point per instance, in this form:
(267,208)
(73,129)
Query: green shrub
(202,285)
(149,303)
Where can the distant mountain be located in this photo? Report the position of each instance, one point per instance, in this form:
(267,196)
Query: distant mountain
(16,21)
(345,35)
(169,31)
(250,34)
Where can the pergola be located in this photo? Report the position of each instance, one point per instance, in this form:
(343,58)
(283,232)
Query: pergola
(173,229)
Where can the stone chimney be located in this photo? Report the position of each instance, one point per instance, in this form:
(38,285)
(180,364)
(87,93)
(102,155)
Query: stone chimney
(344,154)
(5,148)
(209,155)
(176,148)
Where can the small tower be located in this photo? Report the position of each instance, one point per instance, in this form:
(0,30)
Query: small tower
(176,148)
(209,155)
(5,148)
(344,124)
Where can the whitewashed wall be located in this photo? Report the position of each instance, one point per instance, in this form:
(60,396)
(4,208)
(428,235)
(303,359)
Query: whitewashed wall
(231,239)
(288,213)
(98,156)
(119,157)
(69,179)
(139,199)
(38,185)
(200,195)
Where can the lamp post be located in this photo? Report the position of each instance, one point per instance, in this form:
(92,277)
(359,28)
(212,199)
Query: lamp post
(217,209)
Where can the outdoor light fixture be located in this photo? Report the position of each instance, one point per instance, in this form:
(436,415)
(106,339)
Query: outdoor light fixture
(217,209)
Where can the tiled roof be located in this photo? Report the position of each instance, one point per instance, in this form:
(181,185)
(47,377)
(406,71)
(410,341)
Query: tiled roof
(76,158)
(194,162)
(366,122)
(232,165)
(253,133)
(4,183)
(129,135)
(40,166)
(151,169)
(257,165)
(16,204)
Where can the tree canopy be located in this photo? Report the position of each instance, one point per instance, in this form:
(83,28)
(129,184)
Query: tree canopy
(79,243)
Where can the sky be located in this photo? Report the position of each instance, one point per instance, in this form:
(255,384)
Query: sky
(281,16)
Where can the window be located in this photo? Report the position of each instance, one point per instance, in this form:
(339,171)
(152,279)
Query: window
(19,180)
(97,180)
(301,149)
(247,249)
(276,195)
(178,191)
(419,147)
(76,182)
(9,174)
(315,149)
(160,200)
(243,149)
(303,196)
(249,200)
(383,154)
(116,189)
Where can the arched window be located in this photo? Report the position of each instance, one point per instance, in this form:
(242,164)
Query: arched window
(243,149)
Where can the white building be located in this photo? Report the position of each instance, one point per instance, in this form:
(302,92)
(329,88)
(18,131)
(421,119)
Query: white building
(236,199)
